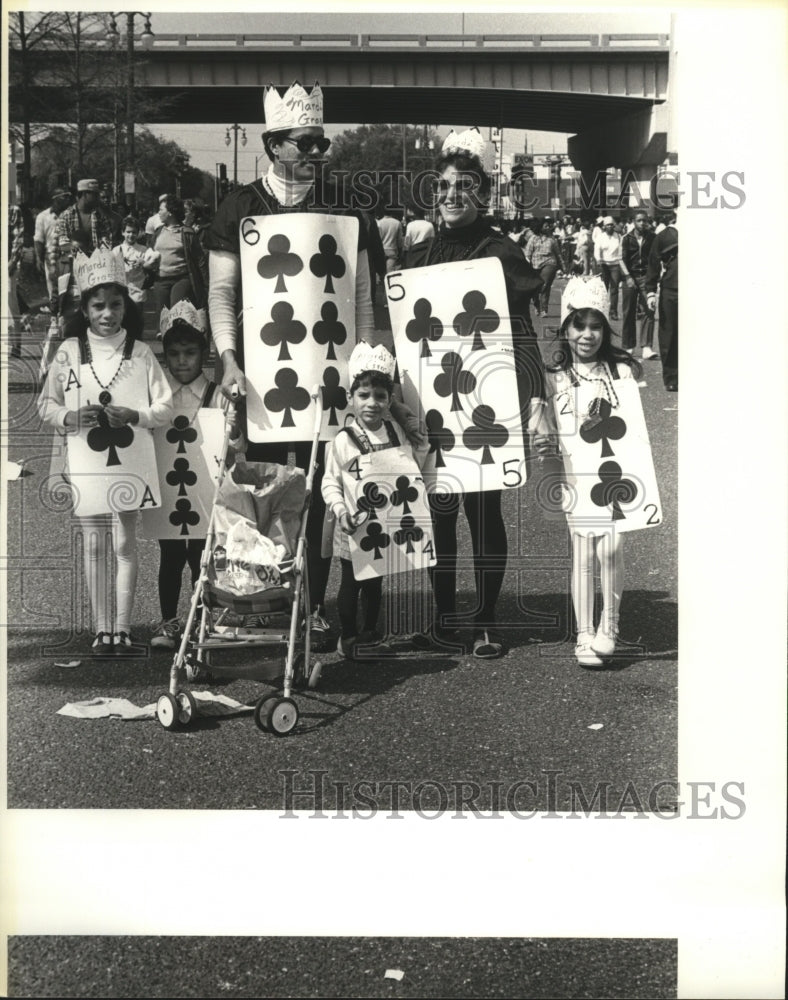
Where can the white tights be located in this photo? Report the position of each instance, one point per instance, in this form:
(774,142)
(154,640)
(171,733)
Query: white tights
(608,550)
(97,531)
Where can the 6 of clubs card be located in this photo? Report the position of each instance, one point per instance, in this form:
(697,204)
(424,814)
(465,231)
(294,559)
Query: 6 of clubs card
(298,274)
(457,367)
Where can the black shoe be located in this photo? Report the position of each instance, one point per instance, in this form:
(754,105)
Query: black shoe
(125,646)
(438,637)
(103,644)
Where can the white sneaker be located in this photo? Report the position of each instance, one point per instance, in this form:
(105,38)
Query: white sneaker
(604,643)
(584,654)
(167,635)
(648,354)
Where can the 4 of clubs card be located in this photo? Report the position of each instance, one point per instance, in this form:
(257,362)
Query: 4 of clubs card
(456,363)
(298,274)
(386,495)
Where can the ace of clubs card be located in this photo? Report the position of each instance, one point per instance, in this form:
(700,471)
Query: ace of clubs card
(456,363)
(298,275)
(385,492)
(607,458)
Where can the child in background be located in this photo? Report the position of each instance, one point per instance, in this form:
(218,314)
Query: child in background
(131,253)
(587,355)
(104,349)
(185,352)
(371,429)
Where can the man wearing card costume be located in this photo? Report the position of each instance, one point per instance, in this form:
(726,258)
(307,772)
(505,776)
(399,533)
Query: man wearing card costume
(464,234)
(295,145)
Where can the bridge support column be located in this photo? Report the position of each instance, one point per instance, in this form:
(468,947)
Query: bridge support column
(637,144)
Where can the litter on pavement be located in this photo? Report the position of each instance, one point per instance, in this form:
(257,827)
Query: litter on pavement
(122,708)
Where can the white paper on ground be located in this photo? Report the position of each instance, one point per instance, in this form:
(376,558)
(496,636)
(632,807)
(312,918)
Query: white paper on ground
(122,708)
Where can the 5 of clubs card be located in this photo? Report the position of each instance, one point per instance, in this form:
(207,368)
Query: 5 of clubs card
(456,363)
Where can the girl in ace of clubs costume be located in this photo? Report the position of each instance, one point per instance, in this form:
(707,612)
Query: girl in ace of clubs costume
(121,384)
(587,356)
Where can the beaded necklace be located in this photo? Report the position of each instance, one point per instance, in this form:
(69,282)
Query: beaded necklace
(105,397)
(604,383)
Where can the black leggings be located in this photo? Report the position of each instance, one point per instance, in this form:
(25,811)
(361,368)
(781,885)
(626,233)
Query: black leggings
(347,600)
(319,567)
(488,541)
(175,554)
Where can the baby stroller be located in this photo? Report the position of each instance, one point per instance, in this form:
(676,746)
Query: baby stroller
(253,566)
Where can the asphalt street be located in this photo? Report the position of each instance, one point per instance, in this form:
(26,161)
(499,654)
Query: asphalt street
(442,718)
(341,967)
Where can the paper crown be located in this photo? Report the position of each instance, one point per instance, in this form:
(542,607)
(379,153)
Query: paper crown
(183,310)
(102,267)
(296,109)
(469,141)
(370,359)
(584,294)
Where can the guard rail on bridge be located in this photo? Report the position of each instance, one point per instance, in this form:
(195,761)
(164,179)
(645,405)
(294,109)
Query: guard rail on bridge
(609,43)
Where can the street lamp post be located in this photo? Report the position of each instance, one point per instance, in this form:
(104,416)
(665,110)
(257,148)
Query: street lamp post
(146,38)
(235,129)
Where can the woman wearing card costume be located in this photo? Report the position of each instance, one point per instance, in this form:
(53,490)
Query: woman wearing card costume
(465,234)
(104,393)
(295,144)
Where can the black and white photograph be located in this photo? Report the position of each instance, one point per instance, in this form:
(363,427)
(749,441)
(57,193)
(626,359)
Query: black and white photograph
(353,533)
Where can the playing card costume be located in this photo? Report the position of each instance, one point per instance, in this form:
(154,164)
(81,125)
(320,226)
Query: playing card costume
(103,395)
(293,120)
(109,469)
(475,239)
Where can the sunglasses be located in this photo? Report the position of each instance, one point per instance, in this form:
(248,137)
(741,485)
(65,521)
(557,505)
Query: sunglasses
(306,143)
(462,183)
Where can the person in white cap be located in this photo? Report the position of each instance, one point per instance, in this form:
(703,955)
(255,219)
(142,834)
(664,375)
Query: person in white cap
(462,193)
(587,361)
(296,145)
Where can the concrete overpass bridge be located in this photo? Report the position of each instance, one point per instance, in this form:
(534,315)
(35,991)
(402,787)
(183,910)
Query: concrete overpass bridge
(610,91)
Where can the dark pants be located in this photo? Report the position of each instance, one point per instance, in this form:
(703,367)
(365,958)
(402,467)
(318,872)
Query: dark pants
(547,273)
(350,588)
(669,334)
(611,275)
(634,308)
(168,291)
(175,554)
(319,567)
(489,545)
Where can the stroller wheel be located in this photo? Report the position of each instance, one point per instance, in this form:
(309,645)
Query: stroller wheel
(168,711)
(314,676)
(282,716)
(187,707)
(261,710)
(299,672)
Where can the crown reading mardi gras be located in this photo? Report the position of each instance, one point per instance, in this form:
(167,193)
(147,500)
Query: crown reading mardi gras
(470,141)
(102,267)
(182,310)
(296,109)
(370,359)
(584,294)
